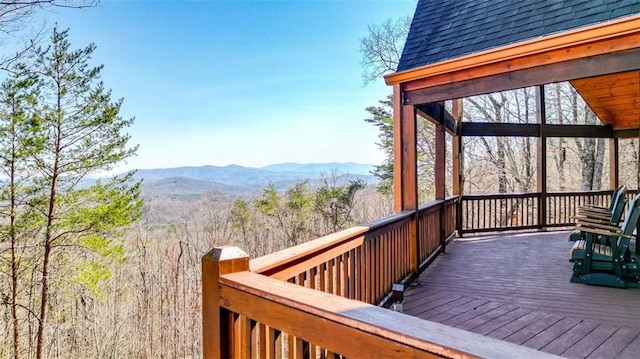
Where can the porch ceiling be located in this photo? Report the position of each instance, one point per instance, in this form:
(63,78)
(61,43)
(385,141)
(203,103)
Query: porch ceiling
(614,98)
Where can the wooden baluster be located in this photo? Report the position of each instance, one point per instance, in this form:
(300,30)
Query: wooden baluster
(241,336)
(338,289)
(323,277)
(345,275)
(360,274)
(313,273)
(352,274)
(297,348)
(275,338)
(260,336)
(330,278)
(370,272)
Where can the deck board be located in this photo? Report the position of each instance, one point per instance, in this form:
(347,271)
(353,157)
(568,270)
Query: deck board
(632,350)
(516,288)
(614,344)
(590,342)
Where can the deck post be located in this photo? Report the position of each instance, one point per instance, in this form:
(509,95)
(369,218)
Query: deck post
(216,338)
(541,114)
(458,162)
(440,168)
(405,169)
(614,167)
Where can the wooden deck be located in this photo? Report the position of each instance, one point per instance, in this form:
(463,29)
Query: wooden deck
(516,288)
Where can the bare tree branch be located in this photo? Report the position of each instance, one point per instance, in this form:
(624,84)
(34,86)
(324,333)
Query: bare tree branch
(382,47)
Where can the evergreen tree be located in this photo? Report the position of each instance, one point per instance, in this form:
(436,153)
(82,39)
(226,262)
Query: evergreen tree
(18,123)
(291,212)
(335,201)
(83,135)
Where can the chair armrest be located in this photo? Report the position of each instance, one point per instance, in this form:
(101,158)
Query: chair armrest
(583,226)
(605,232)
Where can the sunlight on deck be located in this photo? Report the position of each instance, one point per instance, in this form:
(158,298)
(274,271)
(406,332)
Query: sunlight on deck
(516,287)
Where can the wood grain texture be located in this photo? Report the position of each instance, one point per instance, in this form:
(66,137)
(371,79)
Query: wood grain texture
(516,287)
(352,328)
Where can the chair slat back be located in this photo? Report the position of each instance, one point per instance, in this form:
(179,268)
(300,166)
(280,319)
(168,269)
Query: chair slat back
(631,219)
(615,196)
(618,202)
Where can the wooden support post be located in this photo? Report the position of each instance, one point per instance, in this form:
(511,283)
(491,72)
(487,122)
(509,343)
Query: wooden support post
(614,161)
(458,181)
(440,162)
(398,205)
(440,171)
(217,325)
(405,168)
(542,158)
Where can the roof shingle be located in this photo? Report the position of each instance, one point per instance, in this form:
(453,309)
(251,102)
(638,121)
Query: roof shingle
(447,29)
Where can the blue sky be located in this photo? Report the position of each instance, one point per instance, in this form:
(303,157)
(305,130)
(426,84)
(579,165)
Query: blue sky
(244,82)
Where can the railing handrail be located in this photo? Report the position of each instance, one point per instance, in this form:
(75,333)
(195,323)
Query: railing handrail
(534,194)
(436,203)
(306,255)
(501,195)
(353,328)
(583,193)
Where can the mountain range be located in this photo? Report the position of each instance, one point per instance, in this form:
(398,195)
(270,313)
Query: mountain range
(235,179)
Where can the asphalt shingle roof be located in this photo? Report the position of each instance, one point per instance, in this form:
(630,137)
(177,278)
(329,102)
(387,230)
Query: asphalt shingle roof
(447,29)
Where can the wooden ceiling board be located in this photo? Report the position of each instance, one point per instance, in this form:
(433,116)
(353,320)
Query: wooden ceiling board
(614,98)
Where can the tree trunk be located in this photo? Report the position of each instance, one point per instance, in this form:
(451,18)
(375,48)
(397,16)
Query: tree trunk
(560,155)
(13,235)
(53,194)
(598,164)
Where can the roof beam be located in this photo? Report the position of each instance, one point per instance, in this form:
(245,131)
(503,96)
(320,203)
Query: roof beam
(500,129)
(585,131)
(436,112)
(533,130)
(568,70)
(627,133)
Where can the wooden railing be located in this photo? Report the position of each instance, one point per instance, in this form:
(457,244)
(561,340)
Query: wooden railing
(359,263)
(322,297)
(517,211)
(499,212)
(436,224)
(364,262)
(246,308)
(562,206)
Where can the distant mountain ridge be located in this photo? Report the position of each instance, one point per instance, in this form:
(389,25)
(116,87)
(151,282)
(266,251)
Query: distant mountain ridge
(322,168)
(237,179)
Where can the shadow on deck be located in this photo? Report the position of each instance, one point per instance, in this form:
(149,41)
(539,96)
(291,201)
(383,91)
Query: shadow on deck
(516,288)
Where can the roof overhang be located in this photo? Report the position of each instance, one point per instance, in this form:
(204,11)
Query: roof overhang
(602,62)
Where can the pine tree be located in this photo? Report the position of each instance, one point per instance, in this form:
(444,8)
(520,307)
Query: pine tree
(18,124)
(84,135)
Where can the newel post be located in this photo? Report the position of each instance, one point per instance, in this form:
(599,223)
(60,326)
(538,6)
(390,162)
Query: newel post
(215,319)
